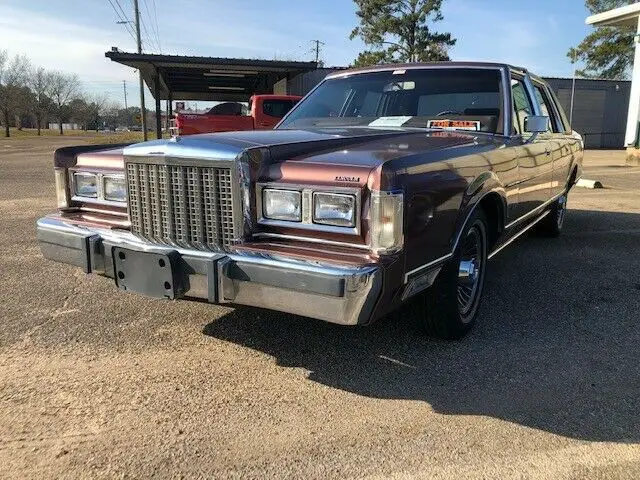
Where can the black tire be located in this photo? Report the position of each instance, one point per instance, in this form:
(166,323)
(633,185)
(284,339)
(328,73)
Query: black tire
(551,225)
(443,312)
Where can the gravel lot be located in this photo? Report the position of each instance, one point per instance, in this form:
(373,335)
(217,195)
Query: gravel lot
(99,383)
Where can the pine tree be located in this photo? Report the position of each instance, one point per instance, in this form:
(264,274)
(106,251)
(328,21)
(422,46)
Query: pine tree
(607,51)
(398,31)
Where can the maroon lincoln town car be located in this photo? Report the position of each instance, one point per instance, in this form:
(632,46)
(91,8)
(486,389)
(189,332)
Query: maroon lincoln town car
(382,184)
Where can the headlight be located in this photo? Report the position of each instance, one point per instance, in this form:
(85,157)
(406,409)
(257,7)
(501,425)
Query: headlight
(281,205)
(86,184)
(386,222)
(334,209)
(114,188)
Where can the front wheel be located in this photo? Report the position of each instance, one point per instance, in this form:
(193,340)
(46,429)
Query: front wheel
(450,306)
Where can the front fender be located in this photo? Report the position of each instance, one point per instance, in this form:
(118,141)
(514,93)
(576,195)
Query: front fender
(488,188)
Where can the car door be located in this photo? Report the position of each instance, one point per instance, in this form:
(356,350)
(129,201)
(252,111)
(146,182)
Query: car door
(557,140)
(535,165)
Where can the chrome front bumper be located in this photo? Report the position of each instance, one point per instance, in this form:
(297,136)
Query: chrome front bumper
(332,293)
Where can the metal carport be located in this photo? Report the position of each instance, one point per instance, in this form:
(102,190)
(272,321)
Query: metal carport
(170,77)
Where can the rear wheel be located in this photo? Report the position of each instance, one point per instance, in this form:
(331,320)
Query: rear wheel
(450,307)
(551,225)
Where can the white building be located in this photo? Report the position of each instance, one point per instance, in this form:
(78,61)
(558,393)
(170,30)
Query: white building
(627,16)
(65,126)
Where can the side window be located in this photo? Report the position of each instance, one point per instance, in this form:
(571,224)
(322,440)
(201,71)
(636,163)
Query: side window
(522,106)
(564,121)
(546,108)
(276,108)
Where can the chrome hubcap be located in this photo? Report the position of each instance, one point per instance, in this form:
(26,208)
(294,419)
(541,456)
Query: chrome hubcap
(469,271)
(562,206)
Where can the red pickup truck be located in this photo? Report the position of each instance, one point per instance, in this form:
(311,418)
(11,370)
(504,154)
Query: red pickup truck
(263,113)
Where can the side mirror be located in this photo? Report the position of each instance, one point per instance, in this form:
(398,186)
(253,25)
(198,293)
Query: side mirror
(536,124)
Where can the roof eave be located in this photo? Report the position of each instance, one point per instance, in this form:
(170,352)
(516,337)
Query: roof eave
(618,17)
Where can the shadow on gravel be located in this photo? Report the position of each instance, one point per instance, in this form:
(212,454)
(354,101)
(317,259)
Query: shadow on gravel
(556,347)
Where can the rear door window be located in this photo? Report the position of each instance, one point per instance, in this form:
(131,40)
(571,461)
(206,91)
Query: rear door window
(546,108)
(522,105)
(277,108)
(564,121)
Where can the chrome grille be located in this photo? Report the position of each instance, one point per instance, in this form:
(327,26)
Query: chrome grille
(187,206)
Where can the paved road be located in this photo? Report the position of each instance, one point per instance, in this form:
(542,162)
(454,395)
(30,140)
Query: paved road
(97,383)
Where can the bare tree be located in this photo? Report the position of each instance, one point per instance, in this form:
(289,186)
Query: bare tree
(64,88)
(99,104)
(23,105)
(102,101)
(40,83)
(86,109)
(13,75)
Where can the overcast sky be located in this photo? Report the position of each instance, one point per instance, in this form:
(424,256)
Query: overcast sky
(72,35)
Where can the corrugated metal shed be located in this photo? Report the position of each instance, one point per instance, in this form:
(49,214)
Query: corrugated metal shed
(599,109)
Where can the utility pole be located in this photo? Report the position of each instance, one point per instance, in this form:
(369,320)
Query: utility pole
(143,110)
(318,43)
(124,85)
(573,88)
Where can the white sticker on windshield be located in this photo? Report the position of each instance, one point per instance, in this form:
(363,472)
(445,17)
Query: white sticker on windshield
(399,72)
(390,121)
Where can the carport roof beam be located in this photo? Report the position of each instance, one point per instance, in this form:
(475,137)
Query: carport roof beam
(209,78)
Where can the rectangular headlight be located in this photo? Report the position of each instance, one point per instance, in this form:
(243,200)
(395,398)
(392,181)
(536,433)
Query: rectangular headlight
(334,209)
(114,188)
(86,184)
(281,205)
(387,219)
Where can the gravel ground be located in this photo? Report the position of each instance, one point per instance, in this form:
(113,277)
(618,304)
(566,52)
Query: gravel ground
(99,383)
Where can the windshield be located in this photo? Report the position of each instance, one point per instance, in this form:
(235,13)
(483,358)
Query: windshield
(448,98)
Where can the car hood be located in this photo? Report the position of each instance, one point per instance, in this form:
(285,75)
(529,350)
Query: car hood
(366,147)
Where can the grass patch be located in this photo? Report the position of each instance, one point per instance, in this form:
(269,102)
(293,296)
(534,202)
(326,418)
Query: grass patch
(89,135)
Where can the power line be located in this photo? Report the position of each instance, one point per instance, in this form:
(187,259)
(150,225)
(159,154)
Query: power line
(144,31)
(125,21)
(145,36)
(155,16)
(154,26)
(147,41)
(124,15)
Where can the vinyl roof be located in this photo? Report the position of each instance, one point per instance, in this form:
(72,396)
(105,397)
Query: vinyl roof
(419,65)
(208,78)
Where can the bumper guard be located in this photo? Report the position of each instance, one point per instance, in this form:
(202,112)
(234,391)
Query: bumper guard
(332,293)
